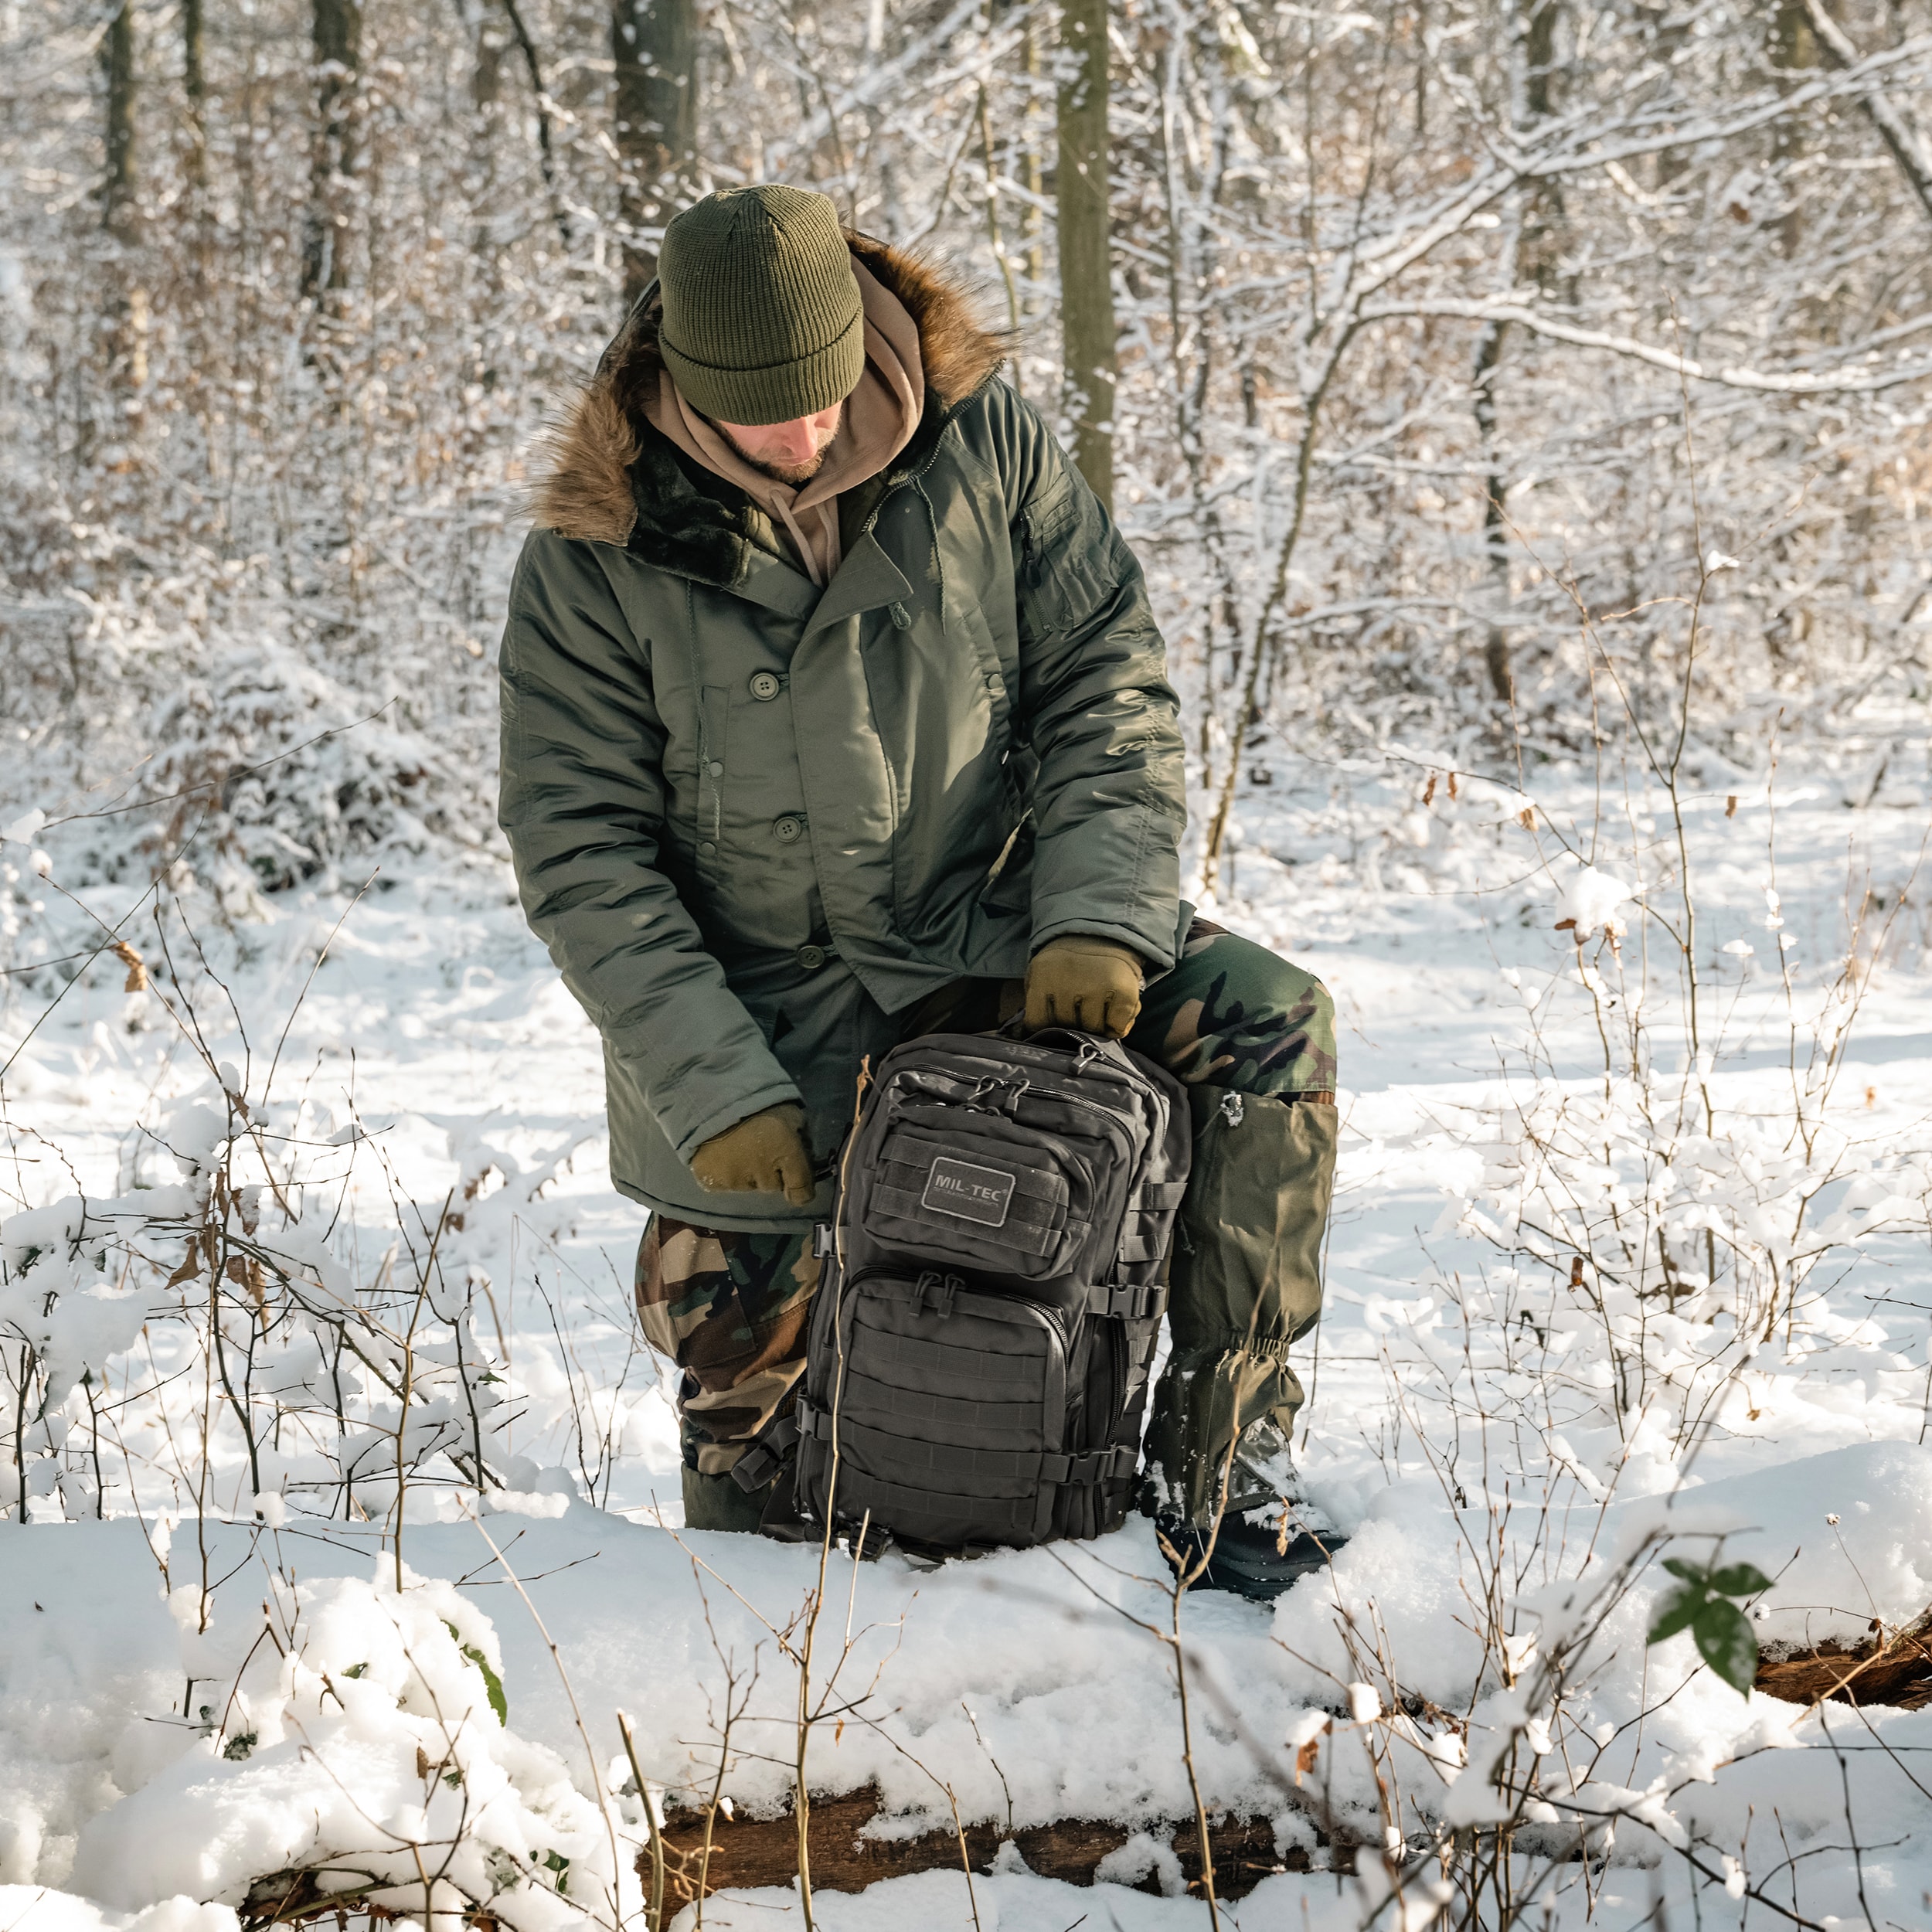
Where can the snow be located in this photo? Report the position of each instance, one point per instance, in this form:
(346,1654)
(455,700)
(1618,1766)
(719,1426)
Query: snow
(1465,1428)
(33,1908)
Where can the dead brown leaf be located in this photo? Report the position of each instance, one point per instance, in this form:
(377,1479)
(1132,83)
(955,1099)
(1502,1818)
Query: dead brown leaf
(136,967)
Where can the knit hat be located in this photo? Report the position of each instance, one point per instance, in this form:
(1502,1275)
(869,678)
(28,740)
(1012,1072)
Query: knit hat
(762,321)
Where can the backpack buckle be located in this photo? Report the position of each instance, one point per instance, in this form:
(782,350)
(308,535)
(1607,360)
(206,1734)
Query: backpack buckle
(1121,1304)
(824,1241)
(771,1450)
(1094,1465)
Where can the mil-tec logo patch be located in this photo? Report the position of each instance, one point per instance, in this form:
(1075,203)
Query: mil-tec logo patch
(970,1193)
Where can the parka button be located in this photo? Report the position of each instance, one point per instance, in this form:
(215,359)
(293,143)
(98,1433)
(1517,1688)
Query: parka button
(707,850)
(765,686)
(811,958)
(787,828)
(715,768)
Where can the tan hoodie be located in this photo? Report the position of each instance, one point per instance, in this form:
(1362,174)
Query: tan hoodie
(881,415)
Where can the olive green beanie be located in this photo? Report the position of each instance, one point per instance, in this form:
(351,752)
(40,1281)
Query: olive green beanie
(762,321)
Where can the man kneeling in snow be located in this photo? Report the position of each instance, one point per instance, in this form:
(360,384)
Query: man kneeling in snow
(833,712)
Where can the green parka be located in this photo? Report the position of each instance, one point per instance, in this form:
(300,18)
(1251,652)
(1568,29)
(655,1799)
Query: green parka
(753,820)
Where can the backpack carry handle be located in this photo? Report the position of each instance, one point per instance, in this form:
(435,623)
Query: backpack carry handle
(1085,1047)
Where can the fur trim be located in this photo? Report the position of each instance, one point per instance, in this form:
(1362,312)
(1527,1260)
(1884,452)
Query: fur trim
(610,469)
(958,353)
(586,491)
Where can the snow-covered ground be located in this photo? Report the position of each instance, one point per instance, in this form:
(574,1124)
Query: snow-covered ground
(1526,1394)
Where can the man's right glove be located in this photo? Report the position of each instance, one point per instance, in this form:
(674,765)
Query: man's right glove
(764,1154)
(1092,983)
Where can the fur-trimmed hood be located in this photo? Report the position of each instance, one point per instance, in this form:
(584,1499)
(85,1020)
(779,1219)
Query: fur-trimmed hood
(613,479)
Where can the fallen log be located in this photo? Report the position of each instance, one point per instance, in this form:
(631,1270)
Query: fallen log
(1895,1671)
(748,1852)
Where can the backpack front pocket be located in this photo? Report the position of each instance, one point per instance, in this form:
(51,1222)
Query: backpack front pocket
(954,1185)
(950,1405)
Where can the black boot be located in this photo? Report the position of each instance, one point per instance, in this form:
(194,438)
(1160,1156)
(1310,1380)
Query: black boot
(1257,1555)
(1270,1533)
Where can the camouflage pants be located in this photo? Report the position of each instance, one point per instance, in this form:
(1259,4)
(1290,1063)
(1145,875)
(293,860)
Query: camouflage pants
(1253,1037)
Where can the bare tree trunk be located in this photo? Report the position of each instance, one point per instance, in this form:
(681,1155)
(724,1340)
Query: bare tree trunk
(1542,226)
(194,89)
(120,210)
(338,29)
(1535,248)
(1033,227)
(1086,289)
(491,40)
(654,46)
(1502,682)
(1792,49)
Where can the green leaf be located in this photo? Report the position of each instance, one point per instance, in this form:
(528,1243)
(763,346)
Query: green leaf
(1679,1612)
(1727,1643)
(492,1684)
(1739,1579)
(1689,1572)
(356,1670)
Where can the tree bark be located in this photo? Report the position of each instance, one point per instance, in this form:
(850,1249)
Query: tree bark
(654,44)
(1541,247)
(1502,682)
(338,31)
(1088,356)
(1792,49)
(491,42)
(194,89)
(120,210)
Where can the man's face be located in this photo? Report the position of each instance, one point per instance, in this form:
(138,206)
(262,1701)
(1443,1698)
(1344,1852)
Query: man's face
(792,452)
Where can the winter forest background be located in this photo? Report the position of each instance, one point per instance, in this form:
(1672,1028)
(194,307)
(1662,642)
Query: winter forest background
(1520,407)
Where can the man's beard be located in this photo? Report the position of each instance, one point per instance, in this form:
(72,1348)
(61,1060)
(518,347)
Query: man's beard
(793,475)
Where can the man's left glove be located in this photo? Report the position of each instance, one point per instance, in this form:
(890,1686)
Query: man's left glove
(764,1154)
(1092,983)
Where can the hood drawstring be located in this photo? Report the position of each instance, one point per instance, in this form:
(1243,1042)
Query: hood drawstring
(810,556)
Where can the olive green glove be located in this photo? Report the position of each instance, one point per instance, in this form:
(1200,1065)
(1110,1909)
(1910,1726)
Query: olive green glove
(764,1154)
(1092,983)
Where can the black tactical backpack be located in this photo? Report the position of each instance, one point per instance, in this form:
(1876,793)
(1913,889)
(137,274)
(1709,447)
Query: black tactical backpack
(976,1364)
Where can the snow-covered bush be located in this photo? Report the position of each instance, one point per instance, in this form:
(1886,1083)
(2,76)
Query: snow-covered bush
(312,1388)
(353,1744)
(278,769)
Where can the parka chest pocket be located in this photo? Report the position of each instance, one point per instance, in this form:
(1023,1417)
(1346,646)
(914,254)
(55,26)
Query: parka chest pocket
(1064,542)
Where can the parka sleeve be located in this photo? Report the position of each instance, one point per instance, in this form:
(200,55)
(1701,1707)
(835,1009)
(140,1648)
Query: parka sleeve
(1110,800)
(583,804)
